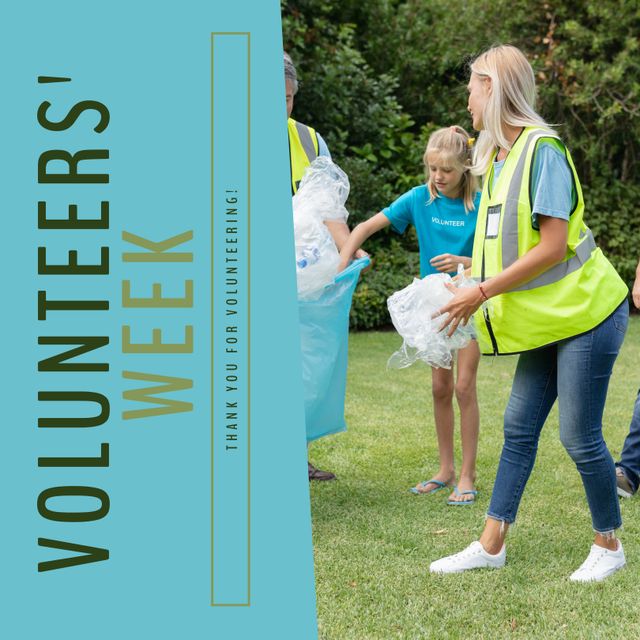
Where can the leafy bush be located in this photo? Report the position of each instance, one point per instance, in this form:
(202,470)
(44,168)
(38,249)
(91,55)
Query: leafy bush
(611,212)
(393,269)
(378,77)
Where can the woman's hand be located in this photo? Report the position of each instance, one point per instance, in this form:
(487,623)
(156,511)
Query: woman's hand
(635,292)
(461,307)
(448,262)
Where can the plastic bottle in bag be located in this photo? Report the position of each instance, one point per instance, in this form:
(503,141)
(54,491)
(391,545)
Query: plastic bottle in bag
(321,196)
(308,256)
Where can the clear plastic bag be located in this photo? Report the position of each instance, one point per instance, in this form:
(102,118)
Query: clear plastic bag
(411,312)
(321,196)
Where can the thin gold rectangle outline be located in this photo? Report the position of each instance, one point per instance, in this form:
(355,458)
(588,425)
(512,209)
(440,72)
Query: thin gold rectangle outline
(248,36)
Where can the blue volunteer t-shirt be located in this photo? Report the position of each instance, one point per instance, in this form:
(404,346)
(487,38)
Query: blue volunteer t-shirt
(552,191)
(442,226)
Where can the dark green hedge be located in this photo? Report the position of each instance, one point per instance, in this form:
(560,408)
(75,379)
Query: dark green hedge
(377,77)
(393,269)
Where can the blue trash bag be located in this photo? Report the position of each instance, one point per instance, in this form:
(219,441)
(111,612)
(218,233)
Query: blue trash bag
(324,333)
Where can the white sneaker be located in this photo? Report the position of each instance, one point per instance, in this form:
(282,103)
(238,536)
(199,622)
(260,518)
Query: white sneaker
(473,557)
(600,564)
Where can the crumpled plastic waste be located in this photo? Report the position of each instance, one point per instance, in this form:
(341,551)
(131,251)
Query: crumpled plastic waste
(321,196)
(411,309)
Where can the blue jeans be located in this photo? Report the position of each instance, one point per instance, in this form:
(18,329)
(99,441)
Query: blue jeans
(576,371)
(630,457)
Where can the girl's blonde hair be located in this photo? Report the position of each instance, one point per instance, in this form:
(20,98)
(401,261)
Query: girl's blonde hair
(511,102)
(452,146)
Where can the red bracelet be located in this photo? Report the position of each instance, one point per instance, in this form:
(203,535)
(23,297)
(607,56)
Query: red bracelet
(484,295)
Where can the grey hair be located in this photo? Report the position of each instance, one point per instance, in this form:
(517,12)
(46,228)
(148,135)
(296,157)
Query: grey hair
(290,72)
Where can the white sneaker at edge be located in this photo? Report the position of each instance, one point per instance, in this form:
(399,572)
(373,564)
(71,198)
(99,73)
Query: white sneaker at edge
(473,557)
(600,564)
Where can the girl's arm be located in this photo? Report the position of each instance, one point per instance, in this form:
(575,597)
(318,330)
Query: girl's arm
(549,251)
(359,235)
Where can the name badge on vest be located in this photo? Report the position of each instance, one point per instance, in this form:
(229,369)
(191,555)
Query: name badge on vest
(493,221)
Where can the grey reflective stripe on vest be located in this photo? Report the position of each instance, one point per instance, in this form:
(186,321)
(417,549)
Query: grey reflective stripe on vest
(510,231)
(510,210)
(306,141)
(563,269)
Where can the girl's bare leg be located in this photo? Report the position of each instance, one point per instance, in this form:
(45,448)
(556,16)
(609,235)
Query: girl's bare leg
(442,390)
(467,397)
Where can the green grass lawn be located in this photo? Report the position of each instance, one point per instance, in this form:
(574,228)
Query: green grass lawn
(374,541)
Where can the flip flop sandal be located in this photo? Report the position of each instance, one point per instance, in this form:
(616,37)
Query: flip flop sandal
(459,503)
(439,487)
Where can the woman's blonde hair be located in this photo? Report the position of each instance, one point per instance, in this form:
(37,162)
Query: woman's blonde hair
(452,148)
(511,102)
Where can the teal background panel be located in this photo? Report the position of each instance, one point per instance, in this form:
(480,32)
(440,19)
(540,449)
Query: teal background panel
(150,65)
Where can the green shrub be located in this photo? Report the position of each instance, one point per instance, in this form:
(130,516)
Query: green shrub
(611,211)
(393,269)
(378,77)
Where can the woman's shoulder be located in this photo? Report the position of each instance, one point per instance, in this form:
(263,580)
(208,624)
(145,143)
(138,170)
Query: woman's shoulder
(550,152)
(550,142)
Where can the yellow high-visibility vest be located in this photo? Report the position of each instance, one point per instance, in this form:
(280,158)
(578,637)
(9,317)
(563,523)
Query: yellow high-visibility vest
(568,299)
(303,150)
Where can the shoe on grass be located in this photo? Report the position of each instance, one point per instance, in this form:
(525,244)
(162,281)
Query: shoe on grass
(318,474)
(625,488)
(600,564)
(473,557)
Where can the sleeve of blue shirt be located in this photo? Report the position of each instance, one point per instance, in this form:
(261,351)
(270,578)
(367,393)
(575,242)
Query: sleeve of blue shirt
(323,150)
(552,192)
(400,212)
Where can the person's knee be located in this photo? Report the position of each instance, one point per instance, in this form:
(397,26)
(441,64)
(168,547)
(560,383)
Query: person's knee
(465,390)
(581,450)
(518,432)
(442,390)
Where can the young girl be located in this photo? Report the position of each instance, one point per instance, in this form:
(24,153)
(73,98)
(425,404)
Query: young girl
(444,214)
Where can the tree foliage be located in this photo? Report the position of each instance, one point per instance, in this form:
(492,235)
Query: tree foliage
(378,76)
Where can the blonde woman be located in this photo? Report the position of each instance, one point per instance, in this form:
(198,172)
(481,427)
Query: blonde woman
(546,292)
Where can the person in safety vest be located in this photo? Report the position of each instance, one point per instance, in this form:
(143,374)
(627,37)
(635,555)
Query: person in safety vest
(628,467)
(546,292)
(305,145)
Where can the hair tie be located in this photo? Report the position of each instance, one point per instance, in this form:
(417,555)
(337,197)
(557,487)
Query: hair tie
(470,142)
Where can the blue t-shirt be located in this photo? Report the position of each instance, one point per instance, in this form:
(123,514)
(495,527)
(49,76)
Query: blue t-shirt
(442,225)
(552,190)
